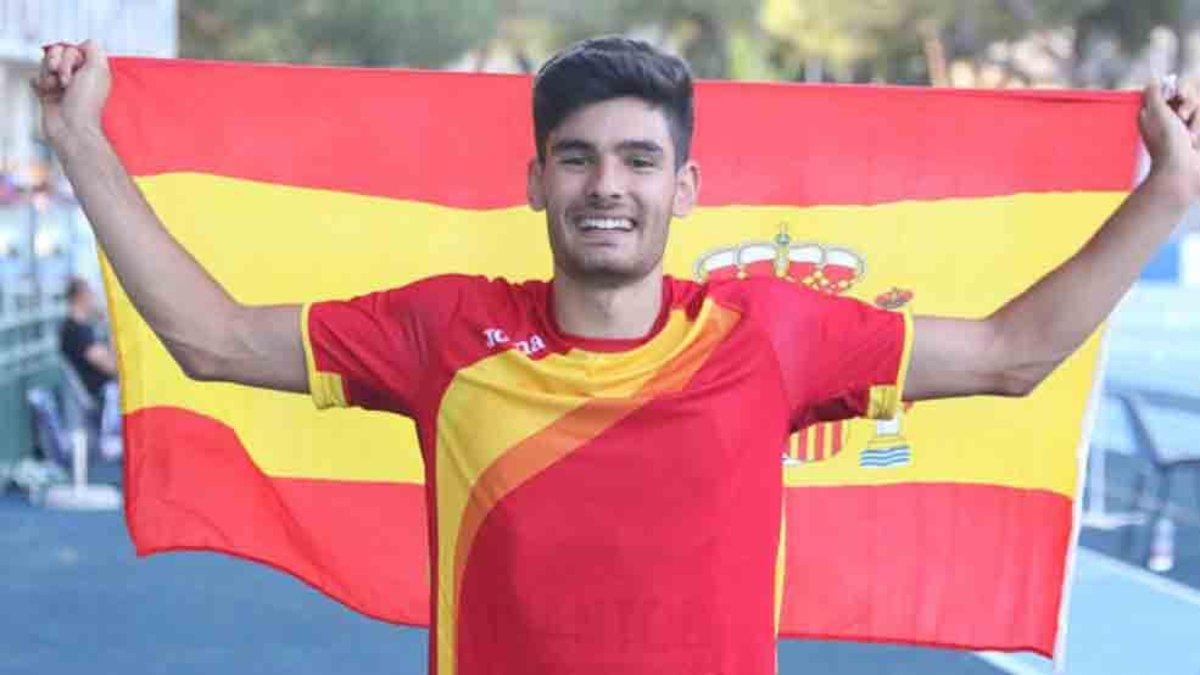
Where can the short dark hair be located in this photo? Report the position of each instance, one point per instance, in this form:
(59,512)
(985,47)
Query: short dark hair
(75,287)
(611,67)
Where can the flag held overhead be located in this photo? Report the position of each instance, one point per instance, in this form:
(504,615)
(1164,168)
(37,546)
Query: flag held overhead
(936,526)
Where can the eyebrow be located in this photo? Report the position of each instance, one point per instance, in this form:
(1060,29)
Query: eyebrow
(643,146)
(578,145)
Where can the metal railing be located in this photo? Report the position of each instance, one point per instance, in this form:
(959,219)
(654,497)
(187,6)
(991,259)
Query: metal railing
(28,342)
(1151,493)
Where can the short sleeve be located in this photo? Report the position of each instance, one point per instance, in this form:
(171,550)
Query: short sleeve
(374,351)
(839,357)
(863,352)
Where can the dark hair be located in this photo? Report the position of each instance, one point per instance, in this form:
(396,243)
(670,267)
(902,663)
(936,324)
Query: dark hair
(75,286)
(604,68)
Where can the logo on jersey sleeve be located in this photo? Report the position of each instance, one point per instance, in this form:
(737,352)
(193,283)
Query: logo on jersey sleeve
(497,338)
(833,270)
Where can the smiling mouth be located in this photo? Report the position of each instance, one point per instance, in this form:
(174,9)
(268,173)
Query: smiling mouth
(604,224)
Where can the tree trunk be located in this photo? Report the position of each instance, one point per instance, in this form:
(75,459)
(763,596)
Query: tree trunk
(935,55)
(814,69)
(708,52)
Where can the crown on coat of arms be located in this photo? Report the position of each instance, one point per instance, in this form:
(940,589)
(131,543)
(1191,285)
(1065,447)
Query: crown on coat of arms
(827,269)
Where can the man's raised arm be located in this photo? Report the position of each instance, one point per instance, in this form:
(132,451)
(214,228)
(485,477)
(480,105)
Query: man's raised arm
(1014,349)
(209,334)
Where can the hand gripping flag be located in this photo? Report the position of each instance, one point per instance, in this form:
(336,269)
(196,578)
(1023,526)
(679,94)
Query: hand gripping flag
(949,525)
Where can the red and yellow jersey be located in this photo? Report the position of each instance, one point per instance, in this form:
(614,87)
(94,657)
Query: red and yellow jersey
(604,506)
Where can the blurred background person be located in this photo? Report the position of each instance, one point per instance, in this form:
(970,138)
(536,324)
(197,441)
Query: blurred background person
(93,362)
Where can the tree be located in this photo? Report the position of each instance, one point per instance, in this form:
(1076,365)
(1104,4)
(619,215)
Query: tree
(919,41)
(834,39)
(701,30)
(236,30)
(423,33)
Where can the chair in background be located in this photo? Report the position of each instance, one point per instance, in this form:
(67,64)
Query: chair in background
(67,444)
(81,409)
(50,434)
(1160,467)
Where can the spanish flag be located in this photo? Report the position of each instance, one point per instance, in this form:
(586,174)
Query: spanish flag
(949,524)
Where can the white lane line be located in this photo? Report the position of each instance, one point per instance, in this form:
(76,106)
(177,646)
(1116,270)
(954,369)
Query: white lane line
(1146,578)
(1011,664)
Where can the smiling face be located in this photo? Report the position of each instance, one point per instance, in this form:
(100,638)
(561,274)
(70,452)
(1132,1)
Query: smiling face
(609,187)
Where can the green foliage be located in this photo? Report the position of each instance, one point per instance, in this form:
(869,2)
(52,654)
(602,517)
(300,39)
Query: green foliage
(380,32)
(848,40)
(344,32)
(237,30)
(702,29)
(886,39)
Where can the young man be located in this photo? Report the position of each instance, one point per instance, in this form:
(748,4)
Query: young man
(565,536)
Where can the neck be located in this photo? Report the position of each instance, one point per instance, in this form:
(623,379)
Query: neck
(78,313)
(621,312)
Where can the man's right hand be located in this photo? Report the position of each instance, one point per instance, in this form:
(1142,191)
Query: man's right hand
(72,85)
(209,334)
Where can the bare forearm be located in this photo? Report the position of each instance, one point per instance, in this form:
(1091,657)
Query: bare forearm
(1046,323)
(1015,348)
(102,358)
(176,296)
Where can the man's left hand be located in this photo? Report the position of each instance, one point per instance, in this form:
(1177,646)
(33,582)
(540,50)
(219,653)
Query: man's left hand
(1171,131)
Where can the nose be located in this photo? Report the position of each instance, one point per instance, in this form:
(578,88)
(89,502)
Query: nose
(606,181)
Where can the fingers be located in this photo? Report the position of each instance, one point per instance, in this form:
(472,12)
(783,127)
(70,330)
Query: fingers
(94,53)
(60,61)
(1187,109)
(1153,103)
(46,82)
(1186,102)
(1186,106)
(70,61)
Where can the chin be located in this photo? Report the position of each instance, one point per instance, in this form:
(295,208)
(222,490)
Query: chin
(610,273)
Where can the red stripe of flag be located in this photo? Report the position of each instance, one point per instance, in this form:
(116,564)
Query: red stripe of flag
(461,140)
(193,482)
(977,567)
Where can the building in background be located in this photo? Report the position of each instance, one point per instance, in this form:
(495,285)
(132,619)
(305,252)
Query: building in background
(43,236)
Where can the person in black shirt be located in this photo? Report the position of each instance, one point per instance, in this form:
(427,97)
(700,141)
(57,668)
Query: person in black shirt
(93,361)
(91,357)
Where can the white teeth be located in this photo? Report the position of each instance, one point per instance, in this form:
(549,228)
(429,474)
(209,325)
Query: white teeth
(606,224)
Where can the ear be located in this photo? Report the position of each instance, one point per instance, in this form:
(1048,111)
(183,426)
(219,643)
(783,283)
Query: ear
(533,185)
(687,189)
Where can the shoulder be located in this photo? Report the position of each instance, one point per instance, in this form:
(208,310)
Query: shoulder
(442,289)
(444,297)
(754,295)
(446,284)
